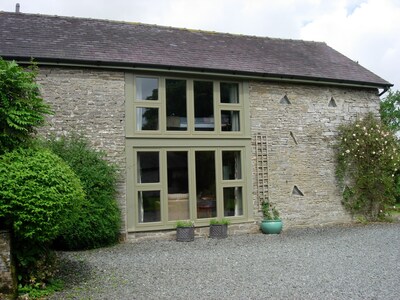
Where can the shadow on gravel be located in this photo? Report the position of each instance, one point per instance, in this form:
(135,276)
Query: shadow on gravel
(73,271)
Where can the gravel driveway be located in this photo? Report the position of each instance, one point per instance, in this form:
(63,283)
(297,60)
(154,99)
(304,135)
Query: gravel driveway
(355,262)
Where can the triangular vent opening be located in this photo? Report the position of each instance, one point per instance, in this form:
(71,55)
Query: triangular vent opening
(293,137)
(285,100)
(296,191)
(332,103)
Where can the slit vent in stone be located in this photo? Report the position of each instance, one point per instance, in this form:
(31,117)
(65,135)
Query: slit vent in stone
(332,103)
(293,137)
(296,191)
(285,100)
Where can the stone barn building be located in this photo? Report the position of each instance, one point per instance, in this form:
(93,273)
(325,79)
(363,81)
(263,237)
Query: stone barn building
(201,124)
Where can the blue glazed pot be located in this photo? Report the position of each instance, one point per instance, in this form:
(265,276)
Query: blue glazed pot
(271,226)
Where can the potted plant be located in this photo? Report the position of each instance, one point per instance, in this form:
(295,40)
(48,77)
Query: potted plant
(271,224)
(184,231)
(219,228)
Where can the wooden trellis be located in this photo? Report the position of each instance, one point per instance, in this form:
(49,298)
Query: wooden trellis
(261,148)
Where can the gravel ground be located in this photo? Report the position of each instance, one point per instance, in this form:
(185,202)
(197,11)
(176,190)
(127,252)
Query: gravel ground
(355,262)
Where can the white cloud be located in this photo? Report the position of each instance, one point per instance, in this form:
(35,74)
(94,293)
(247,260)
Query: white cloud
(364,30)
(368,34)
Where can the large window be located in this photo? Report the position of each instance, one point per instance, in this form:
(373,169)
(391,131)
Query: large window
(205,184)
(188,150)
(178,185)
(148,174)
(165,105)
(187,184)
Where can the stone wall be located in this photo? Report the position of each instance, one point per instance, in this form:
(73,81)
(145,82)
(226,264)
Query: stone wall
(8,284)
(300,123)
(90,101)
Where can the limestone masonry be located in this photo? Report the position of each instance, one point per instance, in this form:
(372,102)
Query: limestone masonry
(299,123)
(8,283)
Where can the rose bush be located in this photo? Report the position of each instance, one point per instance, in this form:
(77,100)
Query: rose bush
(367,161)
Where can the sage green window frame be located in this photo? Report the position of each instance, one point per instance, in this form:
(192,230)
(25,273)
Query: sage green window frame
(189,140)
(133,221)
(132,104)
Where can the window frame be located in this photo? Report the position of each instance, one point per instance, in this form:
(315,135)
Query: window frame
(132,104)
(183,140)
(134,223)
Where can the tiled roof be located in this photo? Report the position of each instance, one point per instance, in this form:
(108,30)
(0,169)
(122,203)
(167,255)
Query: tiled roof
(67,39)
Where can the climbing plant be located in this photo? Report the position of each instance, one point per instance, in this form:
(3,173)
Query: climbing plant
(367,160)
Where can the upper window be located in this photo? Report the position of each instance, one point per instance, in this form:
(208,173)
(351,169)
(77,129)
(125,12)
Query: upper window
(203,106)
(186,106)
(176,104)
(229,92)
(146,88)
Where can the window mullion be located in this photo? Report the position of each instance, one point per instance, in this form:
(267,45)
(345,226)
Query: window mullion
(163,187)
(218,182)
(192,185)
(217,110)
(190,106)
(162,117)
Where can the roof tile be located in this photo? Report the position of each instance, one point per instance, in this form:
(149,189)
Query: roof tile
(91,40)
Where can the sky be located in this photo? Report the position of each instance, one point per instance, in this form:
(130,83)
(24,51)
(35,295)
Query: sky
(366,31)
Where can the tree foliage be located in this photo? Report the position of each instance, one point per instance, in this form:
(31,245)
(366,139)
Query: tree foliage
(390,110)
(99,221)
(367,160)
(22,109)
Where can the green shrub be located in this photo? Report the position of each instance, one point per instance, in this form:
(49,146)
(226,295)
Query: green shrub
(397,183)
(38,193)
(269,212)
(100,220)
(222,221)
(40,292)
(367,160)
(40,196)
(183,223)
(21,107)
(390,116)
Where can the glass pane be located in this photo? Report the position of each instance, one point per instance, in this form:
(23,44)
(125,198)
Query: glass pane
(146,118)
(176,104)
(148,167)
(203,106)
(149,206)
(146,88)
(230,120)
(178,185)
(233,204)
(231,165)
(205,184)
(229,92)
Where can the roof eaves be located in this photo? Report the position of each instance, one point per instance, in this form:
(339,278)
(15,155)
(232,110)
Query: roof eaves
(194,70)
